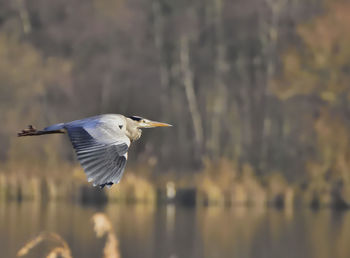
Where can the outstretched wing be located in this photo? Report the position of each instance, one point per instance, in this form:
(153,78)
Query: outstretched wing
(101,148)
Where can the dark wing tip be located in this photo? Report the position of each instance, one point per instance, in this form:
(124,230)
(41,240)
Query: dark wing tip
(109,184)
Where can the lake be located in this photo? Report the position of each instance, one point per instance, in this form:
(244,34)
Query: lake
(170,231)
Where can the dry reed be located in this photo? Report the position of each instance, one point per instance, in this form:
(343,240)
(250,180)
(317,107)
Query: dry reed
(62,251)
(102,227)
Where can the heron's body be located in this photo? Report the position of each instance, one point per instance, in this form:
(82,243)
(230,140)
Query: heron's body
(101,143)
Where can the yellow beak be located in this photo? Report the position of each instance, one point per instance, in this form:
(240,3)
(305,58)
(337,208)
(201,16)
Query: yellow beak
(157,124)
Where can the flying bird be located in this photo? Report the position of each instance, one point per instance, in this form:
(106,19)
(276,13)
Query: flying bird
(101,143)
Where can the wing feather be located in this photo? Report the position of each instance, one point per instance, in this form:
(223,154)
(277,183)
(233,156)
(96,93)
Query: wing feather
(101,149)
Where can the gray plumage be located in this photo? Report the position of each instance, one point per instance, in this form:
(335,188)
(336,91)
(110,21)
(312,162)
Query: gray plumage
(101,143)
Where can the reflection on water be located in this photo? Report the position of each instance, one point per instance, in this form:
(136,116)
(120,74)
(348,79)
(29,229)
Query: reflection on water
(174,231)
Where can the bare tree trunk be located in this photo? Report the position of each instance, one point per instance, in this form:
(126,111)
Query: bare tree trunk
(245,106)
(220,89)
(187,75)
(269,39)
(23,14)
(159,44)
(105,93)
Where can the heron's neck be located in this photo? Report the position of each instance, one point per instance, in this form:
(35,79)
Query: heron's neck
(134,133)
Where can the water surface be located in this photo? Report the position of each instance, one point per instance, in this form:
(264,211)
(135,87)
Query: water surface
(173,231)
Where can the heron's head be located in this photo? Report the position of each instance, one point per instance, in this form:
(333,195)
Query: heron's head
(146,123)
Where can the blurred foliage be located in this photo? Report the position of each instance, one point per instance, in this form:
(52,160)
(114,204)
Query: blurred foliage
(317,71)
(257,90)
(319,66)
(26,75)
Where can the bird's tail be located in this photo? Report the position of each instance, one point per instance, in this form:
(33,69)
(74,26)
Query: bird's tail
(32,131)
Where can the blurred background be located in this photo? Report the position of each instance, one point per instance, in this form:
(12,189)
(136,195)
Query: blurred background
(256,165)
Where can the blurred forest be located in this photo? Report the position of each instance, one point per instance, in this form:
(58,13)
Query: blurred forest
(257,86)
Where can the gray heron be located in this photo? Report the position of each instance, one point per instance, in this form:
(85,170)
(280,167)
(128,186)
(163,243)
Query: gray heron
(101,143)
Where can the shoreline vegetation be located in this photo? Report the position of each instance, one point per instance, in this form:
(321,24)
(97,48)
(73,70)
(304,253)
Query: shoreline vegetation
(260,89)
(220,183)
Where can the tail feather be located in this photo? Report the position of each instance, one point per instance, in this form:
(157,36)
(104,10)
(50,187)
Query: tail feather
(32,131)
